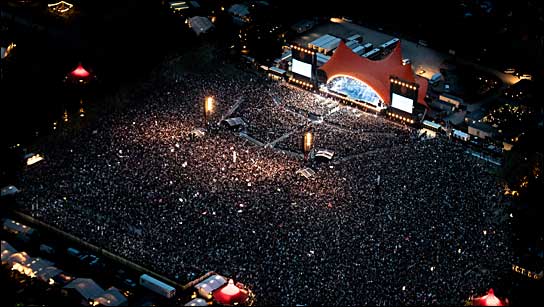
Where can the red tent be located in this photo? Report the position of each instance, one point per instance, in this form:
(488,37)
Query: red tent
(80,72)
(345,62)
(488,300)
(230,294)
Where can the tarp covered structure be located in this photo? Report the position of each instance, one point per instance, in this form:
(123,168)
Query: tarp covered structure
(230,294)
(80,72)
(488,300)
(376,74)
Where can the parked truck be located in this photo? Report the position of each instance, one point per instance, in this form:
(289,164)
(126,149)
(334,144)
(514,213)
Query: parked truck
(157,286)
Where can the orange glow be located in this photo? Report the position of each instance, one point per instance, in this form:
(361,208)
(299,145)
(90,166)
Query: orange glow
(308,141)
(209,104)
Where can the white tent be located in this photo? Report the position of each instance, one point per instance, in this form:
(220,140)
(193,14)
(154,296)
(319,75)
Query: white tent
(210,284)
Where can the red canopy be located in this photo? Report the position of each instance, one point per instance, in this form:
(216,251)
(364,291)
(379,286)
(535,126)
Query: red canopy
(230,294)
(488,300)
(374,73)
(80,72)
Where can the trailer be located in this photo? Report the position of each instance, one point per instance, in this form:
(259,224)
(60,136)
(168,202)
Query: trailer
(157,286)
(461,135)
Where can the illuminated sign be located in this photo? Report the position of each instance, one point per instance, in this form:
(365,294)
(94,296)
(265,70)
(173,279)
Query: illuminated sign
(530,274)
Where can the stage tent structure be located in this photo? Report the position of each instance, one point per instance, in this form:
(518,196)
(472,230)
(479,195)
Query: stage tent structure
(376,74)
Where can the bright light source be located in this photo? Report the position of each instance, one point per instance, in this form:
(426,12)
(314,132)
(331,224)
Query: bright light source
(34,159)
(209,104)
(308,139)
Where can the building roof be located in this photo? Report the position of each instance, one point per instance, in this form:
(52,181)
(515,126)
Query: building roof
(239,10)
(9,190)
(235,122)
(210,284)
(17,227)
(475,115)
(197,302)
(7,250)
(111,297)
(376,74)
(86,287)
(325,153)
(230,294)
(482,127)
(200,24)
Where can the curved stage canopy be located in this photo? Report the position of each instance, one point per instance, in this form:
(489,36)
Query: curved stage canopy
(375,74)
(354,89)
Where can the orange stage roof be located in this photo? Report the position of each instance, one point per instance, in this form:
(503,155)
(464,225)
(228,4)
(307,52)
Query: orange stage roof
(375,74)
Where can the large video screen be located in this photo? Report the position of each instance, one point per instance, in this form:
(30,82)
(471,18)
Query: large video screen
(302,68)
(402,103)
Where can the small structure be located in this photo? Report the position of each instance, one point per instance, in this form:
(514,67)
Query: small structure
(111,297)
(489,300)
(307,173)
(230,295)
(481,130)
(60,8)
(17,228)
(33,267)
(235,122)
(197,133)
(325,154)
(87,288)
(79,75)
(197,302)
(200,25)
(458,134)
(6,251)
(80,72)
(33,158)
(178,6)
(90,291)
(8,191)
(206,287)
(240,11)
(325,44)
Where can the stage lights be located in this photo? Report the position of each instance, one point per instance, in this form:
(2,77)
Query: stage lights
(404,84)
(301,83)
(302,49)
(401,118)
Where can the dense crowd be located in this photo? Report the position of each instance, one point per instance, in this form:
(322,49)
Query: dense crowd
(391,220)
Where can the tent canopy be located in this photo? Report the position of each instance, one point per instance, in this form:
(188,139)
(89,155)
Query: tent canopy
(80,72)
(377,74)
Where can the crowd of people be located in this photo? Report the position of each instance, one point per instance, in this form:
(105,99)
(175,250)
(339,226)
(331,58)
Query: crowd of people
(391,220)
